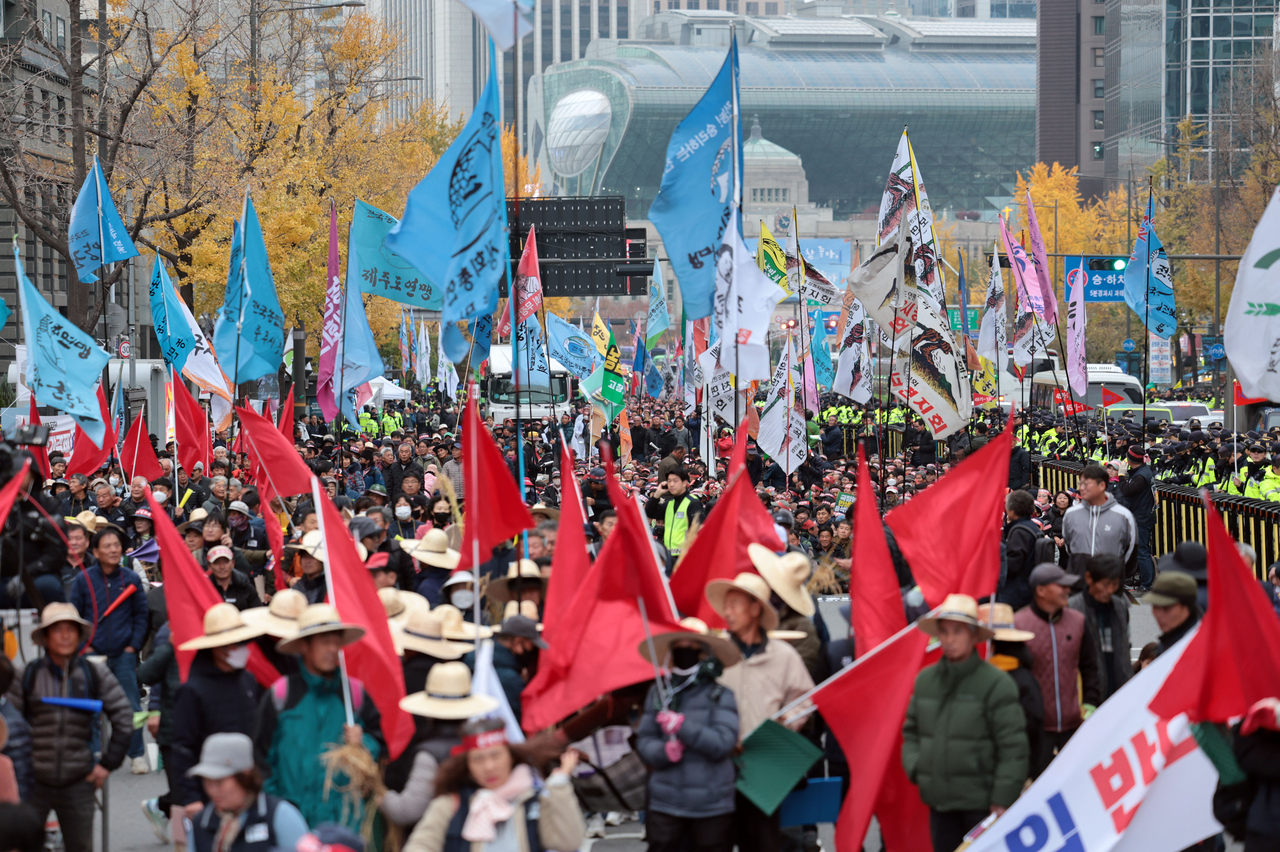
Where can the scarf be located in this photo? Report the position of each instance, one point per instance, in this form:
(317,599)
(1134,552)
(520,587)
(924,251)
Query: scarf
(490,807)
(228,831)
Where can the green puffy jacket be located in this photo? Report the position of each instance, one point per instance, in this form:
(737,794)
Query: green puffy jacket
(965,742)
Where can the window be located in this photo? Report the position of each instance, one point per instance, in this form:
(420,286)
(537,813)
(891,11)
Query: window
(46,25)
(62,120)
(1097,151)
(692,4)
(1099,88)
(753,8)
(62,34)
(1099,25)
(713,5)
(657,6)
(1097,119)
(731,6)
(1099,56)
(771,8)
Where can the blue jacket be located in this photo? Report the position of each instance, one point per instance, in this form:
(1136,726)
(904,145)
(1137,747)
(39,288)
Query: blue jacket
(19,748)
(124,628)
(701,784)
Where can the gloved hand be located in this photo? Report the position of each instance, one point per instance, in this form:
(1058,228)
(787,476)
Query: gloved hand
(1087,710)
(674,749)
(1263,714)
(670,721)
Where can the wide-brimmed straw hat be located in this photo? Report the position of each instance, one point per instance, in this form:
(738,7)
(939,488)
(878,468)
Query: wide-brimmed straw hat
(424,633)
(499,591)
(448,695)
(312,544)
(53,614)
(528,609)
(747,583)
(697,631)
(786,575)
(316,619)
(196,517)
(545,511)
(961,608)
(280,618)
(223,625)
(433,549)
(999,617)
(458,628)
(411,602)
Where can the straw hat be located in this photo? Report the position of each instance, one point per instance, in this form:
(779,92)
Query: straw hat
(433,549)
(499,591)
(751,584)
(696,631)
(961,608)
(316,619)
(456,627)
(424,633)
(55,613)
(545,511)
(197,516)
(448,695)
(786,575)
(391,602)
(280,619)
(312,544)
(223,626)
(999,617)
(86,520)
(412,602)
(528,609)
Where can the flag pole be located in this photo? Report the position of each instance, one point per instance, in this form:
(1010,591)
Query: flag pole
(328,582)
(893,356)
(735,208)
(653,651)
(253,445)
(1146,305)
(473,461)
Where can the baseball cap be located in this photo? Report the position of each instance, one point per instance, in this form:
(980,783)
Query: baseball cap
(524,627)
(1172,587)
(220,552)
(223,755)
(1047,574)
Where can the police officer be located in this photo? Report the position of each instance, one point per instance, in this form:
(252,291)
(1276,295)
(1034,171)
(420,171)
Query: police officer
(674,509)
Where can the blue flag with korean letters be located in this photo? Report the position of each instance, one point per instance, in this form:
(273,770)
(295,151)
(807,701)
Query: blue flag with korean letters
(454,340)
(823,370)
(63,363)
(659,320)
(653,381)
(454,228)
(1148,280)
(379,270)
(571,346)
(697,194)
(95,222)
(532,368)
(249,332)
(172,331)
(356,360)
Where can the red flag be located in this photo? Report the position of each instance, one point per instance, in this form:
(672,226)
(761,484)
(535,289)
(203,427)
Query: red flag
(275,462)
(9,494)
(86,456)
(738,458)
(189,595)
(191,428)
(373,659)
(1234,658)
(738,520)
(950,532)
(495,509)
(528,290)
(875,602)
(1110,397)
(285,421)
(570,563)
(138,457)
(41,453)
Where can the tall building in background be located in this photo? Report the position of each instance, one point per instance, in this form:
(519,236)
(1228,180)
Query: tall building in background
(1070,82)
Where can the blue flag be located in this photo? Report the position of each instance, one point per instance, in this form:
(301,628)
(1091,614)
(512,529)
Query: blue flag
(653,381)
(117,418)
(457,345)
(249,333)
(690,218)
(964,295)
(172,331)
(823,370)
(1148,280)
(571,346)
(454,229)
(95,222)
(637,363)
(531,362)
(356,360)
(659,320)
(4,313)
(381,271)
(63,363)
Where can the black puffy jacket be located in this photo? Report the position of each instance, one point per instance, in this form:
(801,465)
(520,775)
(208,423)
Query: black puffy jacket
(210,702)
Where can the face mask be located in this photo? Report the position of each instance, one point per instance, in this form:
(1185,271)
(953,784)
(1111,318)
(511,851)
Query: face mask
(238,657)
(685,658)
(463,599)
(403,512)
(160,496)
(529,659)
(115,481)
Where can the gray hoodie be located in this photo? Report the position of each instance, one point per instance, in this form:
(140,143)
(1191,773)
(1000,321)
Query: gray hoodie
(1094,530)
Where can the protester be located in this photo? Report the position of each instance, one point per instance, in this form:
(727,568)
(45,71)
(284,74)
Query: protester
(240,817)
(1010,655)
(1173,605)
(1098,524)
(1106,613)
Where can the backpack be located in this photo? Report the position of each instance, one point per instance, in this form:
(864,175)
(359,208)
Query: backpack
(288,691)
(29,682)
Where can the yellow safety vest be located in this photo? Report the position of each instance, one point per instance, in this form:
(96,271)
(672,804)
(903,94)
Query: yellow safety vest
(676,524)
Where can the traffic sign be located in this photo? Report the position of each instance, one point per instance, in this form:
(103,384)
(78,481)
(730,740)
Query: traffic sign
(1103,276)
(1129,345)
(125,349)
(953,319)
(1217,351)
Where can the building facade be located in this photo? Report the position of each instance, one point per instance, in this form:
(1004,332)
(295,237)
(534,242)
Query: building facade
(1070,89)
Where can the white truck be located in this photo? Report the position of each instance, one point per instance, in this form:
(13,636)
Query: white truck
(535,402)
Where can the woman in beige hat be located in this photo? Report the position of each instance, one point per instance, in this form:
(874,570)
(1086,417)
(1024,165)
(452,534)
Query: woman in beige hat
(434,559)
(1010,654)
(524,582)
(444,702)
(787,575)
(278,620)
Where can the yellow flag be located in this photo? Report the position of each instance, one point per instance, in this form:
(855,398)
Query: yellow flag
(600,334)
(985,387)
(771,259)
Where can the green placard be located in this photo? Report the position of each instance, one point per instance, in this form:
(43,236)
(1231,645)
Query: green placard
(773,760)
(844,501)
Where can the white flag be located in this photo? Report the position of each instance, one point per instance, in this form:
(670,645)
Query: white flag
(1252,331)
(446,375)
(880,286)
(937,375)
(993,342)
(853,364)
(744,302)
(783,436)
(485,682)
(202,368)
(1077,360)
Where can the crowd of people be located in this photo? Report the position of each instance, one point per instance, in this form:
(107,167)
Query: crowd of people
(255,768)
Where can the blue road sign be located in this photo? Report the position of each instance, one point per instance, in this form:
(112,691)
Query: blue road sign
(1217,351)
(1129,345)
(1100,286)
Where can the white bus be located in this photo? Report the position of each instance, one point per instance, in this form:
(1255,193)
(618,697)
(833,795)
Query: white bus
(534,403)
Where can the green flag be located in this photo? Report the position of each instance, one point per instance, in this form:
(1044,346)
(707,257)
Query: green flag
(615,387)
(773,761)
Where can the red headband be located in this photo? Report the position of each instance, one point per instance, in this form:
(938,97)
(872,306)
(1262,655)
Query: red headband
(484,739)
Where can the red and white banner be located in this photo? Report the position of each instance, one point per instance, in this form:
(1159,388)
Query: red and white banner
(61,431)
(1069,406)
(1128,781)
(528,287)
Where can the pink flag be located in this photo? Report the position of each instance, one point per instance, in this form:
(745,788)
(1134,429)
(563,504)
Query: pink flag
(1029,291)
(1044,277)
(810,386)
(528,287)
(1077,362)
(332,329)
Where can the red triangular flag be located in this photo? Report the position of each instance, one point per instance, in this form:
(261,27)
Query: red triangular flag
(137,456)
(950,532)
(738,458)
(495,509)
(642,578)
(275,462)
(875,602)
(1110,397)
(285,422)
(41,453)
(570,563)
(1234,658)
(373,659)
(191,428)
(188,595)
(86,456)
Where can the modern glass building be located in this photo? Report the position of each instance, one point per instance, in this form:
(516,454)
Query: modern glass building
(836,91)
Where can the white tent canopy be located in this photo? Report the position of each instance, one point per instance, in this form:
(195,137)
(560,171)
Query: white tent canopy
(384,388)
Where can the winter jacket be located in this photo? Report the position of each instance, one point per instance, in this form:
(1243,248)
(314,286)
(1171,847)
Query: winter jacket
(1109,680)
(1014,659)
(161,671)
(1136,494)
(239,591)
(124,628)
(1095,530)
(395,475)
(549,811)
(833,441)
(766,682)
(18,748)
(405,803)
(1259,756)
(701,784)
(1062,648)
(1019,468)
(1020,552)
(508,669)
(963,742)
(210,702)
(60,735)
(683,438)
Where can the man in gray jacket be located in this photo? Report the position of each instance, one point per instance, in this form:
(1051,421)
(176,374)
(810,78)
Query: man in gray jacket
(1097,525)
(1106,614)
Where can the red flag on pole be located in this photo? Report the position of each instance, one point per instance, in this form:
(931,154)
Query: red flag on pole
(86,456)
(570,563)
(41,453)
(275,462)
(285,421)
(494,507)
(373,659)
(875,602)
(950,532)
(528,289)
(137,456)
(1234,659)
(191,428)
